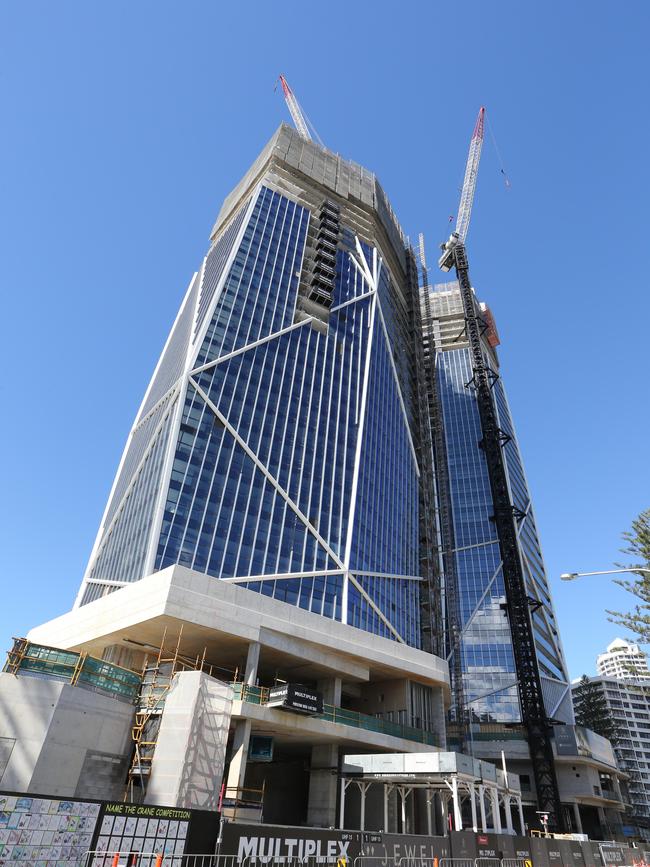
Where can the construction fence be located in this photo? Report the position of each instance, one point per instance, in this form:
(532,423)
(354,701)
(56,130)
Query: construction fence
(73,832)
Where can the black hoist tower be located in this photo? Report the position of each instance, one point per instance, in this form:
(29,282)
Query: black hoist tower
(506,515)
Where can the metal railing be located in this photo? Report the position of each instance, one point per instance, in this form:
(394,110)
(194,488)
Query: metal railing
(99,858)
(78,669)
(432,861)
(332,713)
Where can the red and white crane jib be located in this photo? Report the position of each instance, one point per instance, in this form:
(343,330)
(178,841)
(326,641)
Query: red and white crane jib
(469,182)
(446,261)
(294,109)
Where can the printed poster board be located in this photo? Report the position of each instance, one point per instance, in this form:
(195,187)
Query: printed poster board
(45,832)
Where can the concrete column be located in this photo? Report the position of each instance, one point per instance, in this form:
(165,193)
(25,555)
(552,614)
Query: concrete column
(496,815)
(321,809)
(331,689)
(429,823)
(458,818)
(439,715)
(402,794)
(252,661)
(344,785)
(472,800)
(239,755)
(444,812)
(522,823)
(578,818)
(508,812)
(386,790)
(481,803)
(363,788)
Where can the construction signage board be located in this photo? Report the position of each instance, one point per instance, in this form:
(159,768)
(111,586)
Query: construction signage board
(613,854)
(54,832)
(588,856)
(264,844)
(571,853)
(522,848)
(296,697)
(539,850)
(464,844)
(506,845)
(142,828)
(489,846)
(169,831)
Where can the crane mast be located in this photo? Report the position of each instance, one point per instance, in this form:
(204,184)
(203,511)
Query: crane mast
(294,109)
(506,515)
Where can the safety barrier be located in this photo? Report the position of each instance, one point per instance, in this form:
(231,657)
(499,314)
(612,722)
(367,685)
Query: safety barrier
(98,858)
(412,861)
(489,862)
(456,862)
(417,861)
(370,861)
(332,713)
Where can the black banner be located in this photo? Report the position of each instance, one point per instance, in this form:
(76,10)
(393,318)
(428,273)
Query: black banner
(613,854)
(263,844)
(126,827)
(390,849)
(295,697)
(278,843)
(522,847)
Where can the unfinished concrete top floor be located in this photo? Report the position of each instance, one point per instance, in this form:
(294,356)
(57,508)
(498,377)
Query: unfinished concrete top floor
(224,620)
(287,157)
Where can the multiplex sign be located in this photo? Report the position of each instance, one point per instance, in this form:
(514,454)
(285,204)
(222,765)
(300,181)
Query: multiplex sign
(263,844)
(295,697)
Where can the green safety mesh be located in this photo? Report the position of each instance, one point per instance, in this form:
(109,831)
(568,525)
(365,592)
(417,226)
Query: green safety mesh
(64,664)
(257,695)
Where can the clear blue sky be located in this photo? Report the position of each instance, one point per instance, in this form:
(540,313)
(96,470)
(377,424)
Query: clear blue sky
(125,124)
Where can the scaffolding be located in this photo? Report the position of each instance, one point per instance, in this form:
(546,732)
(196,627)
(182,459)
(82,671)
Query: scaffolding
(155,683)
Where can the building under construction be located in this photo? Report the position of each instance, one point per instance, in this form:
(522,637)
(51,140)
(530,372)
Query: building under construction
(275,563)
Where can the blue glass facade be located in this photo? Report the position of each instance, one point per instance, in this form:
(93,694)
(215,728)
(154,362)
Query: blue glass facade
(280,454)
(490,689)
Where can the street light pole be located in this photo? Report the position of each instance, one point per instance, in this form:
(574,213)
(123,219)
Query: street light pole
(571,576)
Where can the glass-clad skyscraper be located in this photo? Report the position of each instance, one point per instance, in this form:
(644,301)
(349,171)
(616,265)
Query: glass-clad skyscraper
(490,689)
(277,443)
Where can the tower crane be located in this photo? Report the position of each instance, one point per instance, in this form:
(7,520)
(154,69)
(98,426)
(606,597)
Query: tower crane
(295,111)
(506,515)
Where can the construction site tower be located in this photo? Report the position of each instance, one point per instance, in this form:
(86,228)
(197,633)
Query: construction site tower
(506,515)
